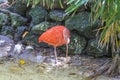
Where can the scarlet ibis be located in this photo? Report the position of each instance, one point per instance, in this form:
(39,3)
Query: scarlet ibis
(56,36)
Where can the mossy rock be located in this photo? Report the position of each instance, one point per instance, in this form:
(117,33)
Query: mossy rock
(81,23)
(76,45)
(38,14)
(17,20)
(4,19)
(94,50)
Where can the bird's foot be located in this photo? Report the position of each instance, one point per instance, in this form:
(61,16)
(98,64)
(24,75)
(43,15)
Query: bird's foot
(61,62)
(58,64)
(65,59)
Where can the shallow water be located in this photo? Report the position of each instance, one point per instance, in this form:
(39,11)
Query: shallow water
(32,71)
(13,70)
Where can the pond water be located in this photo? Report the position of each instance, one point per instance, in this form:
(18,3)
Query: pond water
(13,70)
(32,71)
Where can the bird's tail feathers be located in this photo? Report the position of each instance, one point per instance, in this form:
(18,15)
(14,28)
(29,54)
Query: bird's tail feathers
(39,40)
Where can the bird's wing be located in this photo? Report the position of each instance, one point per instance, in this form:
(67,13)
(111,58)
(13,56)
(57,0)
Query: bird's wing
(52,37)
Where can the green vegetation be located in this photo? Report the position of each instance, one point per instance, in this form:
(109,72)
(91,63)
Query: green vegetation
(74,5)
(48,3)
(109,14)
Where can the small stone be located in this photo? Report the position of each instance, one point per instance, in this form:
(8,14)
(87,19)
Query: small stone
(18,48)
(30,48)
(19,32)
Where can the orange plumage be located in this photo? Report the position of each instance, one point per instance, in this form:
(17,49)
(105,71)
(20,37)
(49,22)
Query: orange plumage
(56,36)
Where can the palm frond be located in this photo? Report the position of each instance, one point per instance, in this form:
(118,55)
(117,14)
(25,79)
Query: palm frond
(48,3)
(108,12)
(74,5)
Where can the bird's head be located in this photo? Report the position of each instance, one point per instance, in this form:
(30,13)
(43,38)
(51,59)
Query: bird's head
(66,35)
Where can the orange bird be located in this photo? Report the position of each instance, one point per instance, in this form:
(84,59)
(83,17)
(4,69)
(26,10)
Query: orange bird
(56,36)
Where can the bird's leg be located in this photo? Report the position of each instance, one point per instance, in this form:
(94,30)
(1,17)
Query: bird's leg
(55,54)
(66,51)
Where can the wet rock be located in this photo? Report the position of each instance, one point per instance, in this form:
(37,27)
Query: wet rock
(31,39)
(29,48)
(19,32)
(27,54)
(39,28)
(8,31)
(17,20)
(38,14)
(94,50)
(3,1)
(86,73)
(19,7)
(57,15)
(76,60)
(82,24)
(76,45)
(6,46)
(4,19)
(43,26)
(17,49)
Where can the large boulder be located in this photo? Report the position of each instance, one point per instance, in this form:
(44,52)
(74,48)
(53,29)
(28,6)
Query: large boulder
(77,44)
(94,50)
(38,14)
(41,27)
(6,46)
(17,20)
(4,19)
(82,24)
(19,7)
(8,31)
